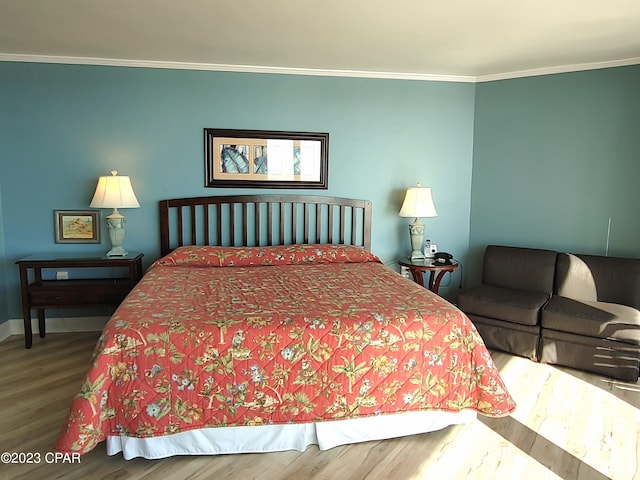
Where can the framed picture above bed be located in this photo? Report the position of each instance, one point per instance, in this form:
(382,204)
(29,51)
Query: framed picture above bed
(265,159)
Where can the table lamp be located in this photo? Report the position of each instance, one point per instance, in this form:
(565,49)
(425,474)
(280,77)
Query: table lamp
(115,192)
(417,203)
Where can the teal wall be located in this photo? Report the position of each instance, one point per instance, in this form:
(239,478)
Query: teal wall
(556,157)
(65,125)
(3,273)
(552,158)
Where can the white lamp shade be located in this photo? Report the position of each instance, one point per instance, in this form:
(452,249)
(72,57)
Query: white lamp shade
(114,192)
(418,203)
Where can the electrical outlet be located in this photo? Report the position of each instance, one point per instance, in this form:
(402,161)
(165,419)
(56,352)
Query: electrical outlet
(405,272)
(62,275)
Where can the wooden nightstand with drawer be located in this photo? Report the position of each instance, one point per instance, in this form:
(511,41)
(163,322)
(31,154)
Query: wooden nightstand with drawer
(97,288)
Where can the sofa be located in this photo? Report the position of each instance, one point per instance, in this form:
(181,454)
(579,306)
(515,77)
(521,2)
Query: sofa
(579,311)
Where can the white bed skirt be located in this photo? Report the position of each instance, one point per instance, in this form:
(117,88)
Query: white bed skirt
(277,438)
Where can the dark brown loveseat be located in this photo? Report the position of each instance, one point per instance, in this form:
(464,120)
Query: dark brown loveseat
(580,311)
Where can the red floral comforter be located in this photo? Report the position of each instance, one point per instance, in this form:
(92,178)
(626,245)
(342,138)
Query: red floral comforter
(216,336)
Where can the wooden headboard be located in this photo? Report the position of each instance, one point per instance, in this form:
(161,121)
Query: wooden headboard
(259,220)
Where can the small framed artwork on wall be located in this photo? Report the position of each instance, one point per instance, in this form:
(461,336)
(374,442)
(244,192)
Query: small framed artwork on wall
(265,159)
(77,226)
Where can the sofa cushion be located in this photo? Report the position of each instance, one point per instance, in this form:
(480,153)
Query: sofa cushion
(519,268)
(598,278)
(511,305)
(593,319)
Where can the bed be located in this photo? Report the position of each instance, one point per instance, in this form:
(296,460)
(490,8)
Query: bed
(268,325)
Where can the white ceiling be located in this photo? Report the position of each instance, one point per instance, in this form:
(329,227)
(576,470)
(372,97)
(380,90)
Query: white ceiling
(463,40)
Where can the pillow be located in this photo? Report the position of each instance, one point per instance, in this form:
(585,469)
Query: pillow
(206,256)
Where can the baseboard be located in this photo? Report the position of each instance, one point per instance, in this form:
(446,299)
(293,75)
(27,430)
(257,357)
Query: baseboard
(54,325)
(5,330)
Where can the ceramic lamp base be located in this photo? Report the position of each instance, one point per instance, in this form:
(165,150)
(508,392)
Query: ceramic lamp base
(416,233)
(116,224)
(117,252)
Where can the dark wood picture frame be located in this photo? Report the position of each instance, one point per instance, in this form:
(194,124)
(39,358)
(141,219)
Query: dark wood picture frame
(238,158)
(77,226)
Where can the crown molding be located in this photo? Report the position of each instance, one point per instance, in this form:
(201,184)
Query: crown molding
(115,62)
(579,67)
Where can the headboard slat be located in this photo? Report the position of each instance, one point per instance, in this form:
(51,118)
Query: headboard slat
(258,218)
(270,223)
(353,225)
(239,221)
(306,224)
(180,224)
(245,224)
(283,208)
(342,220)
(205,212)
(218,210)
(232,223)
(330,235)
(319,223)
(192,212)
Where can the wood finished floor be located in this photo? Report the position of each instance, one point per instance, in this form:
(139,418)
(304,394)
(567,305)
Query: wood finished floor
(568,425)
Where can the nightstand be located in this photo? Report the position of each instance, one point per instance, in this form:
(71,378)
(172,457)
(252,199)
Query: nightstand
(436,271)
(96,288)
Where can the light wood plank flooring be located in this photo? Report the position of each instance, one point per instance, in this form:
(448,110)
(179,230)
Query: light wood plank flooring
(568,425)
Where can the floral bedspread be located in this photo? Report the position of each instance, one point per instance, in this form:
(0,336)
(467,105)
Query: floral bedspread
(215,336)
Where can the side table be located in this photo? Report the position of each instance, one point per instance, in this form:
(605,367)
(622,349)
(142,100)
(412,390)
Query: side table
(419,267)
(39,292)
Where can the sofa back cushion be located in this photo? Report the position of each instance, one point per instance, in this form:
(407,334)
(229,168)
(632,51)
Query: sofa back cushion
(519,268)
(599,279)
